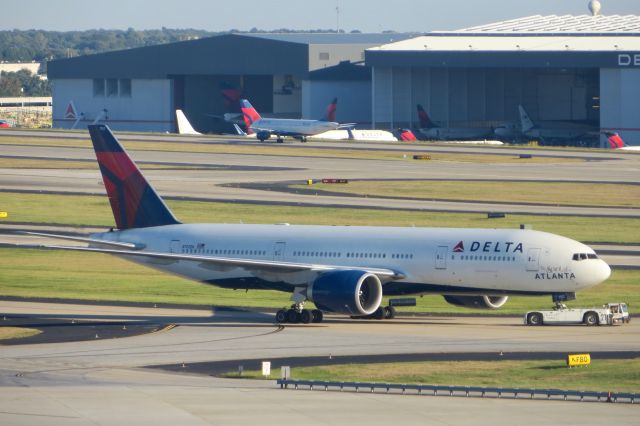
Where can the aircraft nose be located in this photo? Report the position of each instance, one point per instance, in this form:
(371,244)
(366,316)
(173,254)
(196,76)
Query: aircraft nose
(604,270)
(598,272)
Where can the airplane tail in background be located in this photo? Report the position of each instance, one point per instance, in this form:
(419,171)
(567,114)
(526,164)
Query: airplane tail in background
(406,135)
(330,115)
(615,141)
(425,121)
(184,126)
(249,113)
(526,123)
(134,202)
(231,96)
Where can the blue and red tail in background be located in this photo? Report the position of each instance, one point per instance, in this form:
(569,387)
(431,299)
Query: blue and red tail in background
(249,113)
(330,115)
(134,202)
(615,141)
(425,120)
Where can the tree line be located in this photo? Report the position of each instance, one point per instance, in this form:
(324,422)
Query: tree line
(42,46)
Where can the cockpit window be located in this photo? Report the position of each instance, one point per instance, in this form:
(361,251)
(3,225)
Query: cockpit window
(584,256)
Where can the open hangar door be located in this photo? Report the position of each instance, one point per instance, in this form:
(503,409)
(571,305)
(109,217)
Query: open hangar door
(468,97)
(201,98)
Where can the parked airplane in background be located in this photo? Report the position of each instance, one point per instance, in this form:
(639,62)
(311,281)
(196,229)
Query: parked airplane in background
(432,131)
(297,128)
(553,131)
(616,142)
(342,269)
(184,126)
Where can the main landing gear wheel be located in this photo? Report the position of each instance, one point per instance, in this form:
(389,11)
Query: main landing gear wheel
(389,312)
(305,316)
(318,316)
(293,316)
(281,316)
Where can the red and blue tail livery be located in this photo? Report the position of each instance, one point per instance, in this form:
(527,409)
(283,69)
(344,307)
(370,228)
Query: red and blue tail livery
(425,120)
(134,202)
(330,115)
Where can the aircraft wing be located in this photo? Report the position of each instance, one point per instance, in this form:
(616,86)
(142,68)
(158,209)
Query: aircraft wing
(251,265)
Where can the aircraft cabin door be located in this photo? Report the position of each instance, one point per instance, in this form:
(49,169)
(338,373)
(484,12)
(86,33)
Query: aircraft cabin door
(441,257)
(278,250)
(533,259)
(175,246)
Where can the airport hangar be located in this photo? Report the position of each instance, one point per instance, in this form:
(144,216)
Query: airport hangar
(283,75)
(560,68)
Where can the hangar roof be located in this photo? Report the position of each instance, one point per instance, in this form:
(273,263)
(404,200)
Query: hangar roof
(231,54)
(333,38)
(535,41)
(561,24)
(514,43)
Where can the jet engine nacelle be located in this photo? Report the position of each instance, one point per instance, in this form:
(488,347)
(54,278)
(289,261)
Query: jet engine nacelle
(263,135)
(348,292)
(478,302)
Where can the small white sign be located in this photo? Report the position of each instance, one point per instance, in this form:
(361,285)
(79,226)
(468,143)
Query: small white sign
(266,368)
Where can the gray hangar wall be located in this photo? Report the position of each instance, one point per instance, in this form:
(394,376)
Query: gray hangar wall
(483,96)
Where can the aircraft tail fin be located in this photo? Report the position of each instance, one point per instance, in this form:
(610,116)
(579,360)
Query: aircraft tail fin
(231,96)
(249,113)
(134,202)
(525,121)
(615,141)
(406,135)
(425,120)
(330,115)
(184,126)
(238,130)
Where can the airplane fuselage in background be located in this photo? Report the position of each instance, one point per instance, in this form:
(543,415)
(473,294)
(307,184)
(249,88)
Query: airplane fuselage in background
(292,127)
(429,260)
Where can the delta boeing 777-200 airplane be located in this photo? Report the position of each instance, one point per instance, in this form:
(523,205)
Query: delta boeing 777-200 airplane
(342,269)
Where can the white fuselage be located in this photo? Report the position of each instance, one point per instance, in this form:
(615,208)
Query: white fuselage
(455,133)
(292,127)
(357,135)
(438,260)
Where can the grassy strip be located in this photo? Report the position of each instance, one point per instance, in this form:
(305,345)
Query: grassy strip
(552,193)
(7,333)
(36,163)
(89,276)
(602,375)
(95,210)
(284,150)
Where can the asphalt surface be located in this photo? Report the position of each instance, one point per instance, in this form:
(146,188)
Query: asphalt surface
(100,381)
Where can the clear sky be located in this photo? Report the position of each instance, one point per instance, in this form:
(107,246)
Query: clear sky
(222,15)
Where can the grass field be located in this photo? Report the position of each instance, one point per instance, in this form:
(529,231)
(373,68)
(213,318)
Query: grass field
(89,276)
(552,193)
(7,333)
(95,210)
(601,375)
